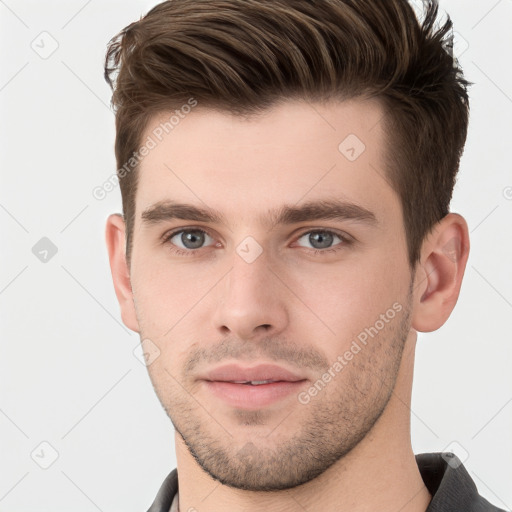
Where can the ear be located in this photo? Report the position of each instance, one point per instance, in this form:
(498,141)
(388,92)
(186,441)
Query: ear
(116,243)
(439,274)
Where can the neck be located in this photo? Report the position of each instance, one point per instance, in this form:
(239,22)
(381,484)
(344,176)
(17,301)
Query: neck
(380,473)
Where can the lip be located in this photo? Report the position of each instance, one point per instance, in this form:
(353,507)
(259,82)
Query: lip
(219,382)
(245,396)
(235,372)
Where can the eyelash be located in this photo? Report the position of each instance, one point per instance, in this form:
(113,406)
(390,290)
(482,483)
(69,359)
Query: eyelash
(345,241)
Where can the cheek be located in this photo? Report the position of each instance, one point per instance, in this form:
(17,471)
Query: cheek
(350,293)
(166,292)
(173,297)
(349,297)
(172,309)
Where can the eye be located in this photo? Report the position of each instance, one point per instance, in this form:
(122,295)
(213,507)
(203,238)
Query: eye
(322,240)
(188,242)
(188,239)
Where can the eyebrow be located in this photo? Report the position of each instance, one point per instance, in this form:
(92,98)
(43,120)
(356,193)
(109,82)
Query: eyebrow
(287,214)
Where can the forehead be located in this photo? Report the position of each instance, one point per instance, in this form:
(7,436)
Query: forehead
(296,151)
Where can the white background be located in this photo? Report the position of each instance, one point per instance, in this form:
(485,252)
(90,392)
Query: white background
(67,368)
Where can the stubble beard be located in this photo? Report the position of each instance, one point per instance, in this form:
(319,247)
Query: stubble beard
(301,446)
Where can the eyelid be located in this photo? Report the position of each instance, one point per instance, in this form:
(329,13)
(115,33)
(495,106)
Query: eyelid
(345,238)
(173,232)
(168,235)
(343,235)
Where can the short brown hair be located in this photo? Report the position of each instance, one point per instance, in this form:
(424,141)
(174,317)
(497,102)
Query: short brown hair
(243,56)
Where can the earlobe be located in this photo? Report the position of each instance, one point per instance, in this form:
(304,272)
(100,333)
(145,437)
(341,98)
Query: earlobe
(115,240)
(439,276)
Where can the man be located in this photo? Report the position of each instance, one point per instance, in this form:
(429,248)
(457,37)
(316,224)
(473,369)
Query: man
(286,170)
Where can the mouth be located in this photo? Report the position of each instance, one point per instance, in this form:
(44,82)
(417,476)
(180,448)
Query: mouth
(252,388)
(256,382)
(260,374)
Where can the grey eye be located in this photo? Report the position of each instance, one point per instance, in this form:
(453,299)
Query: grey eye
(190,239)
(320,239)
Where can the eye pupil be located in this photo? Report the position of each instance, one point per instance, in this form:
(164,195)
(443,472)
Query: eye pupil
(192,239)
(321,237)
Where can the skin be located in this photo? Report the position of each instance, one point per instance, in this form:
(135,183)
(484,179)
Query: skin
(349,447)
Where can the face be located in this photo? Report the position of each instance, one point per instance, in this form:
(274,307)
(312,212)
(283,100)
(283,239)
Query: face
(271,249)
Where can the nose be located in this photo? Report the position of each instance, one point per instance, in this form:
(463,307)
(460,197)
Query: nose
(250,300)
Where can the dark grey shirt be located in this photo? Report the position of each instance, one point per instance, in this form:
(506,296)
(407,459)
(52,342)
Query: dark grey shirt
(445,477)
